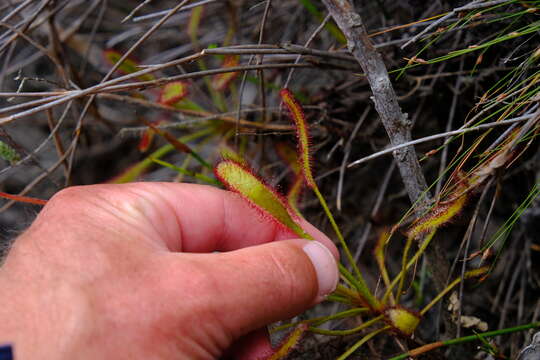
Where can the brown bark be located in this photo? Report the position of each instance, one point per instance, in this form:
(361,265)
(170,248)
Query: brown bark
(395,122)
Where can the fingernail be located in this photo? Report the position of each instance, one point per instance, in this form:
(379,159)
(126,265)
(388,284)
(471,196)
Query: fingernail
(325,266)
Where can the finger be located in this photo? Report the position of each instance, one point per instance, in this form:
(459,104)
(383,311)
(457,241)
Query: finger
(255,345)
(182,217)
(257,285)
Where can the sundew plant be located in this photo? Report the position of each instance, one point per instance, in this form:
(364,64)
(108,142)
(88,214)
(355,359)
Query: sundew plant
(405,130)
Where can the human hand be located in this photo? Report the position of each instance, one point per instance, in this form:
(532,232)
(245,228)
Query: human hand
(127,272)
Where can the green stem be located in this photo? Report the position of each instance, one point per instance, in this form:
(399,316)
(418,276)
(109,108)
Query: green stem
(340,299)
(347,292)
(345,279)
(321,320)
(359,282)
(465,339)
(413,260)
(361,342)
(340,315)
(345,332)
(403,267)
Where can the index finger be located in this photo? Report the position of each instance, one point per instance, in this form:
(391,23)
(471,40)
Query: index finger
(210,219)
(186,217)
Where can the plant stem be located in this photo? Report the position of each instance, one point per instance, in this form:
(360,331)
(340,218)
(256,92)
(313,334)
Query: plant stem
(467,275)
(361,342)
(359,281)
(440,295)
(465,339)
(404,267)
(340,299)
(421,249)
(395,122)
(321,320)
(346,332)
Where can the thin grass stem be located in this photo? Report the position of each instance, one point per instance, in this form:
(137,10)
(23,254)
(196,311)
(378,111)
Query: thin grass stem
(348,331)
(361,342)
(415,258)
(477,337)
(359,282)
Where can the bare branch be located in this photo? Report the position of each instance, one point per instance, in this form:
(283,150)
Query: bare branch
(395,122)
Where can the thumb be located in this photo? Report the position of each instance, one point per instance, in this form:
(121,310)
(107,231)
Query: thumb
(261,284)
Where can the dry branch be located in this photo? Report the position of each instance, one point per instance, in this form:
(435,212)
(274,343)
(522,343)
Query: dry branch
(395,122)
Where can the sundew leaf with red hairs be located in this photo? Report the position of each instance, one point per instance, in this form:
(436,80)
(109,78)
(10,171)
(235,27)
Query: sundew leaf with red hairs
(241,180)
(146,140)
(221,81)
(443,212)
(302,132)
(173,92)
(148,136)
(289,343)
(438,216)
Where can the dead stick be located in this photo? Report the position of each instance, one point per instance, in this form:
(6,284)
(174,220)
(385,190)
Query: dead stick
(395,122)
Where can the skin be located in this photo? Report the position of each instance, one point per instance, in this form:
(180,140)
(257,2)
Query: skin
(150,271)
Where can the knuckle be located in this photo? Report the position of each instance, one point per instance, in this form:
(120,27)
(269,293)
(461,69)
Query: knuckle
(291,275)
(67,194)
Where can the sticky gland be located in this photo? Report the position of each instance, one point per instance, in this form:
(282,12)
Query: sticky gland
(302,133)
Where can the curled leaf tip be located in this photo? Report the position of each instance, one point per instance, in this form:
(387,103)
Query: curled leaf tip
(302,132)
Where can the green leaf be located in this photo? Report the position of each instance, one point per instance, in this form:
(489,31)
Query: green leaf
(241,180)
(302,132)
(8,153)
